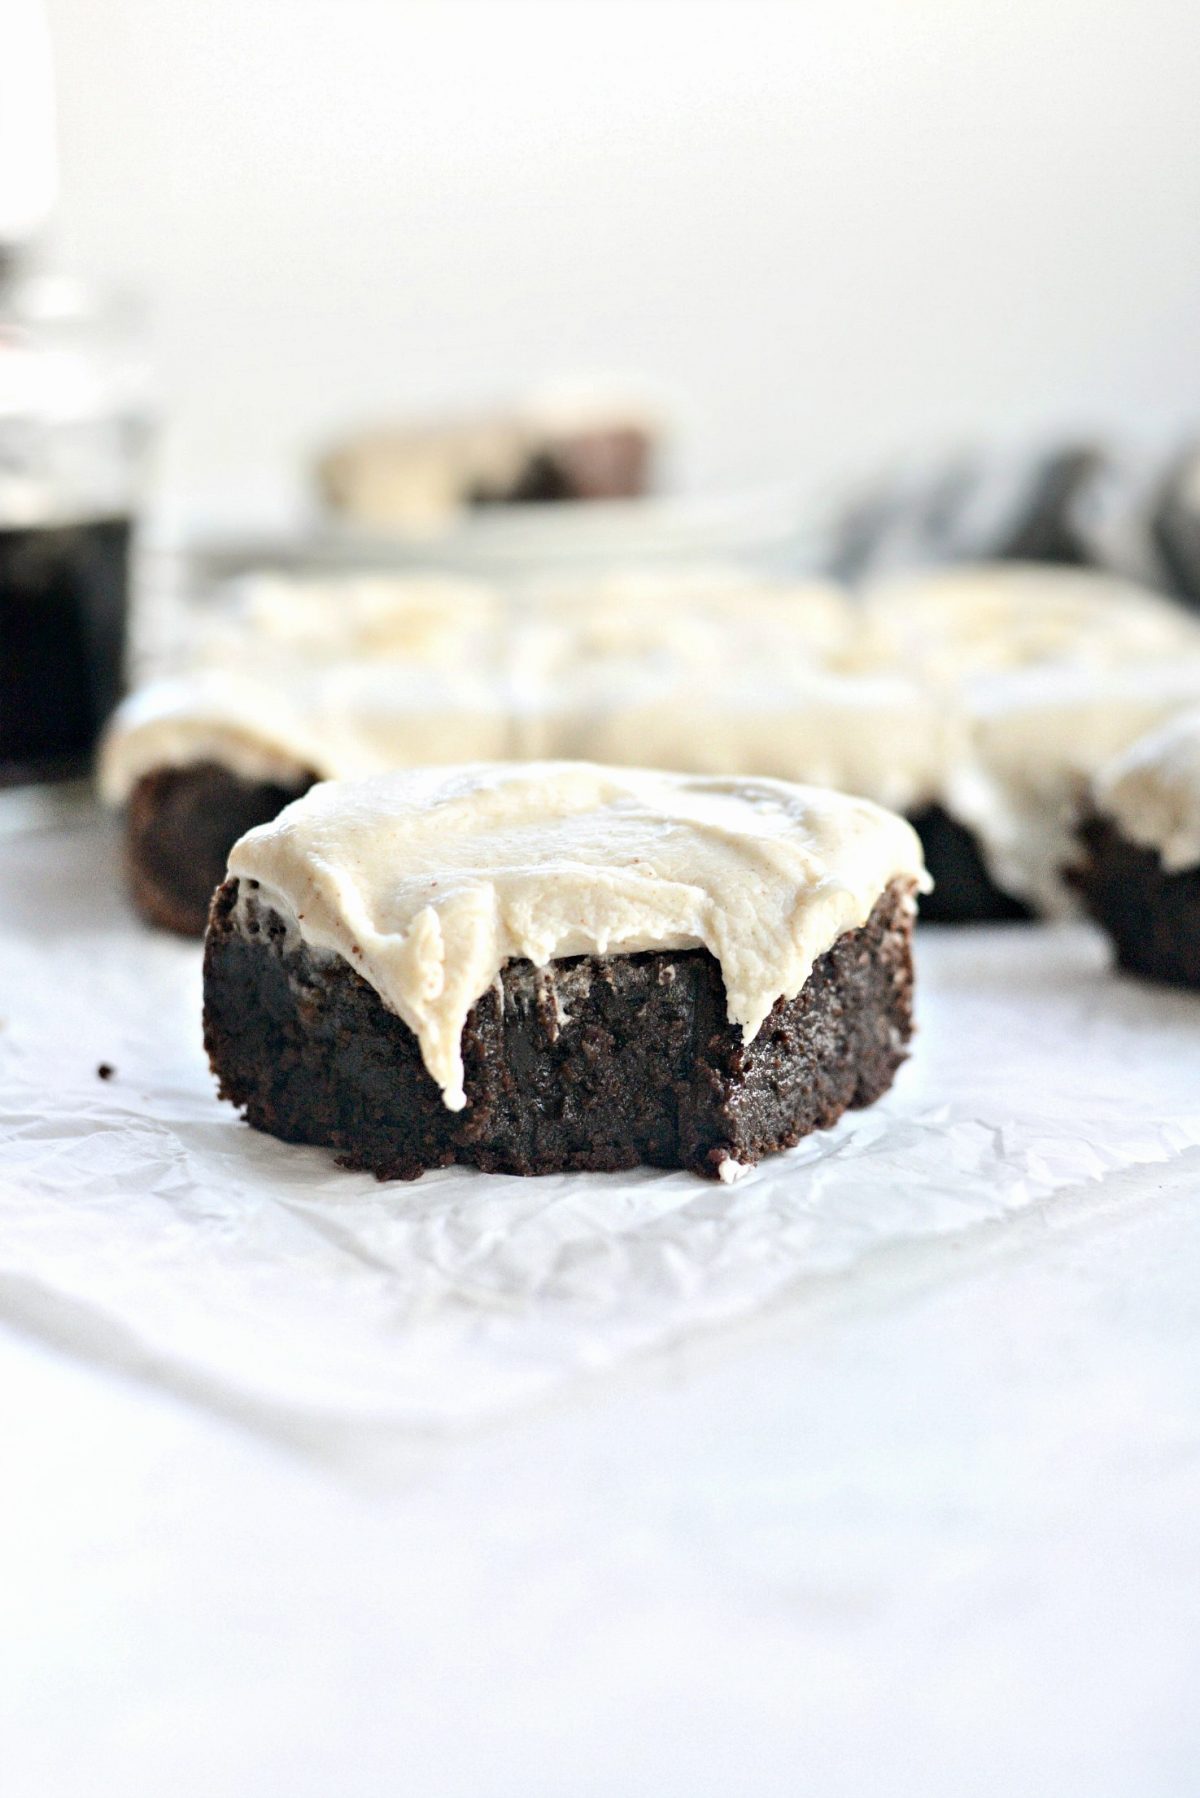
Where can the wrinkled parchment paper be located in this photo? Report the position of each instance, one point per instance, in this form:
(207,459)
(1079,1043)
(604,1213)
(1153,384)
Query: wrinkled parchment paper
(142,1221)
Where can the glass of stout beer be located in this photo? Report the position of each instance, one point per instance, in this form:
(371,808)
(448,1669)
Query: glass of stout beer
(73,447)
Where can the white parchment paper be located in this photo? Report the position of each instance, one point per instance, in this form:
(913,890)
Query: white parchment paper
(143,1221)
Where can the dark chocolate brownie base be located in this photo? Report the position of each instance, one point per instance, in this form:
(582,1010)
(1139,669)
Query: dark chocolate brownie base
(963,890)
(1152,917)
(594,1063)
(180,825)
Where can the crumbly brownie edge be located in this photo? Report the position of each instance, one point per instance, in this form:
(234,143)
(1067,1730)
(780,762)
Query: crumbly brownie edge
(180,824)
(1152,917)
(595,1063)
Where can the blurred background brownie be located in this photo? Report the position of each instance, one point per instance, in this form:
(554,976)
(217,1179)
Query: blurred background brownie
(1139,872)
(975,700)
(180,826)
(419,476)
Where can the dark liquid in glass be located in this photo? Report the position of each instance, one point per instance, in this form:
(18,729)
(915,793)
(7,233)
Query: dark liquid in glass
(63,604)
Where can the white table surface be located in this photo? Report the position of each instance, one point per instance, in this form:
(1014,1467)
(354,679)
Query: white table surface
(935,1530)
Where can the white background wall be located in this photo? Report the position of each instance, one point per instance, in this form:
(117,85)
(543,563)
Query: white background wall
(822,229)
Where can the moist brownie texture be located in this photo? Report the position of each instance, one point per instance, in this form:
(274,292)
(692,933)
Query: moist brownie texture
(593,1062)
(1152,915)
(180,826)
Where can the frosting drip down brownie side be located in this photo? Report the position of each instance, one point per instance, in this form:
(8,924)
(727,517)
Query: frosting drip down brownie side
(593,1062)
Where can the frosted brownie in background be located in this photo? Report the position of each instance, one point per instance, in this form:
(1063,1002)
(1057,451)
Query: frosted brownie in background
(1139,871)
(420,618)
(361,675)
(1040,674)
(948,624)
(975,700)
(1034,738)
(196,762)
(872,734)
(558,966)
(699,612)
(290,681)
(978,702)
(590,659)
(421,476)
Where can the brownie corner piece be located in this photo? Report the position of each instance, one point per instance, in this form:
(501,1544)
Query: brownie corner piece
(1150,914)
(596,1063)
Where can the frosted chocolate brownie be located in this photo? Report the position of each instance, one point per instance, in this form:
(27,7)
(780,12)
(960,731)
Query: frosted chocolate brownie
(198,761)
(419,477)
(1042,674)
(1140,869)
(1036,738)
(543,967)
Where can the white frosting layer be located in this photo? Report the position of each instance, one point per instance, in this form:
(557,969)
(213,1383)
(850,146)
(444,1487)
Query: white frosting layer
(879,736)
(428,882)
(1152,791)
(431,619)
(345,720)
(284,627)
(703,613)
(960,622)
(241,724)
(359,674)
(996,692)
(1035,738)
